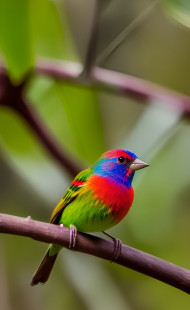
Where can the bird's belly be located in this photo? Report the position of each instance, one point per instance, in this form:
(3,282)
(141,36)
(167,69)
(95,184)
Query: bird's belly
(87,214)
(95,211)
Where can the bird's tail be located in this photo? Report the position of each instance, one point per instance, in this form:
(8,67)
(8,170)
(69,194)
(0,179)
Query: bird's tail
(43,272)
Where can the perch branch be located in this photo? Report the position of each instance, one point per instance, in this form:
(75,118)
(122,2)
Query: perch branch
(132,258)
(116,82)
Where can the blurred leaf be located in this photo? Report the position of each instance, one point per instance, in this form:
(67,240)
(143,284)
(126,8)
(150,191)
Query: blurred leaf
(31,161)
(5,298)
(15,134)
(78,21)
(179,9)
(82,110)
(43,95)
(158,116)
(93,277)
(49,38)
(15,37)
(155,204)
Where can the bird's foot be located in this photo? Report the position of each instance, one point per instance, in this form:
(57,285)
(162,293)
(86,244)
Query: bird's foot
(73,236)
(117,247)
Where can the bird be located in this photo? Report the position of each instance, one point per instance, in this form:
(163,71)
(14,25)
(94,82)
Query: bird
(97,199)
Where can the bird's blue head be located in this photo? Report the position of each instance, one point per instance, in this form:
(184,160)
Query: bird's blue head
(119,166)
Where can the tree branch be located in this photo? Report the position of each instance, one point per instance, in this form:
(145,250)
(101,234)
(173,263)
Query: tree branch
(132,258)
(91,48)
(46,137)
(13,97)
(115,82)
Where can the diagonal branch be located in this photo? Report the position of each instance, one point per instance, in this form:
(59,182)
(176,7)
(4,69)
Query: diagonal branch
(132,258)
(45,136)
(115,82)
(136,22)
(13,97)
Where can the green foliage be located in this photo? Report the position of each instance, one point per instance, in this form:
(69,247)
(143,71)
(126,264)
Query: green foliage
(179,9)
(50,34)
(84,122)
(82,111)
(15,37)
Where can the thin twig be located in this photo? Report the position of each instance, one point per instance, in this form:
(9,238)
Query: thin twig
(136,22)
(115,82)
(132,258)
(92,44)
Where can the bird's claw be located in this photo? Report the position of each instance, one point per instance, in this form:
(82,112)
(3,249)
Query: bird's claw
(117,247)
(73,236)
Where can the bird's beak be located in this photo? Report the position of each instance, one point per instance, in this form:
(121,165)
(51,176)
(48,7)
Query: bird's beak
(138,164)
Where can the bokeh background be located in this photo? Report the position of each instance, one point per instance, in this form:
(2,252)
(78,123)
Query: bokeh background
(86,122)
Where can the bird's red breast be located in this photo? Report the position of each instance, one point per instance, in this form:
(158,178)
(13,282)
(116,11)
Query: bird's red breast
(117,197)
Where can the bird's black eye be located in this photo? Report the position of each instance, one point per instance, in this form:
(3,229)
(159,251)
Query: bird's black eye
(121,160)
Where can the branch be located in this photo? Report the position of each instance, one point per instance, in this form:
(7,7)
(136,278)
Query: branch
(13,97)
(132,258)
(115,82)
(46,137)
(133,25)
(91,48)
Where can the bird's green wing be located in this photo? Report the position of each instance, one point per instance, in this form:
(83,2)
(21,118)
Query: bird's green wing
(71,194)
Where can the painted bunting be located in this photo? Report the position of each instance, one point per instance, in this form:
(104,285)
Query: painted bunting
(97,199)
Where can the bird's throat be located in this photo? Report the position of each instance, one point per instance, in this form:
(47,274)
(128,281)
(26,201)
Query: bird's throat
(112,194)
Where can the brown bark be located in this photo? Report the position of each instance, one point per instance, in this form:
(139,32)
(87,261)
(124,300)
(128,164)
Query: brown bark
(132,258)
